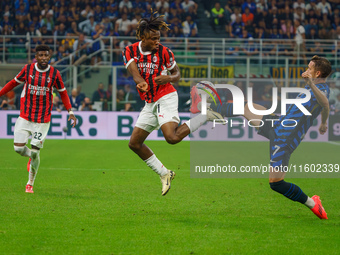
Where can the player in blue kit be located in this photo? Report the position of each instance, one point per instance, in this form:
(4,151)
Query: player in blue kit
(284,140)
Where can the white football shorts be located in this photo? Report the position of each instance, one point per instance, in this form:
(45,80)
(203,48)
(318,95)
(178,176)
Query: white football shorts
(24,129)
(154,115)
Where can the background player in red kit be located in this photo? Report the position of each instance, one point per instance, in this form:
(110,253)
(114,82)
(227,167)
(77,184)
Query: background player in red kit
(149,63)
(35,107)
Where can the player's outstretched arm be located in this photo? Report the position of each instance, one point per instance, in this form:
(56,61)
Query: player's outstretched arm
(66,101)
(323,126)
(323,102)
(8,87)
(174,76)
(324,116)
(319,95)
(138,79)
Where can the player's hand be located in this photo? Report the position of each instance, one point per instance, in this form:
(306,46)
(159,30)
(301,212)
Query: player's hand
(72,117)
(307,76)
(162,79)
(142,86)
(323,128)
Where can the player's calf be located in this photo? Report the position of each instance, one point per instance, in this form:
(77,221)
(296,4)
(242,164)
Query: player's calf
(289,190)
(35,159)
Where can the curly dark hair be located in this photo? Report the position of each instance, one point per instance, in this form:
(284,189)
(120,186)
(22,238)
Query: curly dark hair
(322,65)
(153,23)
(42,48)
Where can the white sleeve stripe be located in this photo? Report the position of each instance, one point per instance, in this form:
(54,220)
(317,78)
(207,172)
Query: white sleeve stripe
(61,90)
(128,63)
(173,65)
(15,78)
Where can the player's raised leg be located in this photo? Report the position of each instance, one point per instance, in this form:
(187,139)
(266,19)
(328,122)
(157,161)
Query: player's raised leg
(21,135)
(173,133)
(168,119)
(22,149)
(226,110)
(216,111)
(255,120)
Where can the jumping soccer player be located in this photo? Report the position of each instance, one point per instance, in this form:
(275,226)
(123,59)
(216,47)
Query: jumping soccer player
(149,63)
(35,107)
(284,140)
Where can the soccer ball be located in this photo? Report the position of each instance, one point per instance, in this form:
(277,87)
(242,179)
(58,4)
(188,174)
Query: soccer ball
(206,88)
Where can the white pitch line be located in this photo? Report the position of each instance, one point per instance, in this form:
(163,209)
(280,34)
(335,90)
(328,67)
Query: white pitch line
(87,169)
(335,143)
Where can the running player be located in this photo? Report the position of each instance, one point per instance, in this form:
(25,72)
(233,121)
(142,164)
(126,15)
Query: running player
(149,63)
(284,140)
(35,107)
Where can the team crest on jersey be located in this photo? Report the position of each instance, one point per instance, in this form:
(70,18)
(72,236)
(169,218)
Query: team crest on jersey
(154,59)
(48,79)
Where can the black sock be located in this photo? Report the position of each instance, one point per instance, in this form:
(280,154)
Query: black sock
(289,190)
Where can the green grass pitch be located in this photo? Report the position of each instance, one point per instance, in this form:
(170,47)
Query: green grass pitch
(97,197)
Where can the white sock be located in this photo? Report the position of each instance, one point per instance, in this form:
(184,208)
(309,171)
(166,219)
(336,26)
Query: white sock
(196,122)
(310,203)
(31,176)
(35,162)
(157,166)
(27,152)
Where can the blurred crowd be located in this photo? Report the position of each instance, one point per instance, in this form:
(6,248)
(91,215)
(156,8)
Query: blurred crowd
(275,19)
(80,22)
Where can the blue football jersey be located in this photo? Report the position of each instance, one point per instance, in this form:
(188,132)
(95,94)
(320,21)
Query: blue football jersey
(293,135)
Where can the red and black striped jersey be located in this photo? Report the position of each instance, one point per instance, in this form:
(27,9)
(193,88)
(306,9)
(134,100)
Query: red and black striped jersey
(150,65)
(37,95)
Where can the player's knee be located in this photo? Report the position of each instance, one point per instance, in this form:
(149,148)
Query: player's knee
(134,146)
(276,185)
(19,149)
(172,139)
(34,154)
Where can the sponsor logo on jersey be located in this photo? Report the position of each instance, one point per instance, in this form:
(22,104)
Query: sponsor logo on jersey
(38,90)
(147,67)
